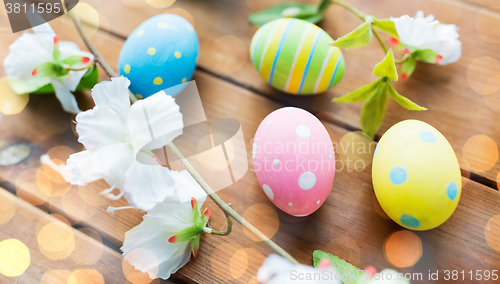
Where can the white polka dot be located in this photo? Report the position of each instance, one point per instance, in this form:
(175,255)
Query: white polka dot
(255,150)
(303,131)
(304,215)
(307,180)
(269,192)
(290,203)
(276,161)
(330,156)
(269,122)
(318,202)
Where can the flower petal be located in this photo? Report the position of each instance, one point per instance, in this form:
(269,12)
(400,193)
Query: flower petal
(69,48)
(154,122)
(147,185)
(114,94)
(77,170)
(99,127)
(65,97)
(187,187)
(454,55)
(109,162)
(26,53)
(151,238)
(414,32)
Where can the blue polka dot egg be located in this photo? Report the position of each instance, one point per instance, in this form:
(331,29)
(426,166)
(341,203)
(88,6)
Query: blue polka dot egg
(160,53)
(416,175)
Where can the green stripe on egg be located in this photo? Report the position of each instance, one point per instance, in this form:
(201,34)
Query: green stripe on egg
(293,56)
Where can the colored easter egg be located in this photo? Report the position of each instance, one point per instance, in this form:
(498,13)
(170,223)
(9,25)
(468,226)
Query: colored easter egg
(294,160)
(294,56)
(416,175)
(160,53)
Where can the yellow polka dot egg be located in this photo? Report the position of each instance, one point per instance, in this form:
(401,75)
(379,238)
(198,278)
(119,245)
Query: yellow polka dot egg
(160,53)
(294,56)
(416,175)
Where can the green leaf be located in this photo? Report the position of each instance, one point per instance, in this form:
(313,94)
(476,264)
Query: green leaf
(195,245)
(72,60)
(428,55)
(45,70)
(403,101)
(87,83)
(56,53)
(360,37)
(302,11)
(385,25)
(387,67)
(373,111)
(186,234)
(407,67)
(359,94)
(342,267)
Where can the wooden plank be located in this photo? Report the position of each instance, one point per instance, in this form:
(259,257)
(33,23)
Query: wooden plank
(57,252)
(448,91)
(347,225)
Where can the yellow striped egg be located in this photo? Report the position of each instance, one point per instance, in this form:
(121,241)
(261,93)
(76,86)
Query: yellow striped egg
(416,175)
(293,56)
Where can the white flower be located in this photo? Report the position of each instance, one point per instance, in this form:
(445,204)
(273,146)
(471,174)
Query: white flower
(119,139)
(38,59)
(163,242)
(420,33)
(278,270)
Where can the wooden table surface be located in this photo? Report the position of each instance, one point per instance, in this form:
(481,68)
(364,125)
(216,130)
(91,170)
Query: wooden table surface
(464,105)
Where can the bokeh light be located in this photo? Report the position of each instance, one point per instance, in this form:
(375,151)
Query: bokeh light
(221,256)
(75,207)
(223,46)
(133,275)
(135,3)
(403,248)
(356,150)
(140,253)
(88,16)
(14,257)
(7,208)
(10,102)
(483,75)
(264,218)
(28,190)
(481,152)
(485,20)
(244,259)
(492,232)
(56,240)
(346,248)
(55,276)
(160,4)
(493,101)
(86,253)
(214,160)
(48,186)
(181,12)
(87,276)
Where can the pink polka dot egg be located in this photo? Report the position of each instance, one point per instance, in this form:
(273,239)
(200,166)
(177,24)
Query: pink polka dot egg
(294,160)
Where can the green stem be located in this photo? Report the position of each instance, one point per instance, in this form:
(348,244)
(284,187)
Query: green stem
(403,60)
(362,16)
(351,8)
(227,231)
(226,208)
(98,57)
(380,40)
